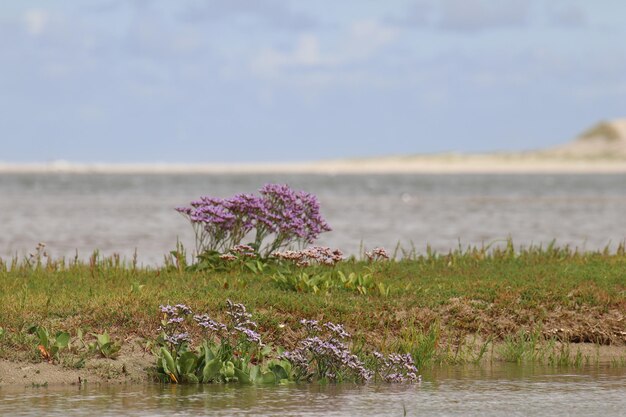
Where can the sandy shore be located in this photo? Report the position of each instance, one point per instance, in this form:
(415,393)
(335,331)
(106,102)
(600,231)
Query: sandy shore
(133,366)
(436,164)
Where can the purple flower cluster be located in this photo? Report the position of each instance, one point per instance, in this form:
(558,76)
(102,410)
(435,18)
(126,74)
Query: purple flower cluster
(316,254)
(208,323)
(337,331)
(241,323)
(178,339)
(311,326)
(173,322)
(377,254)
(287,215)
(396,368)
(327,357)
(241,327)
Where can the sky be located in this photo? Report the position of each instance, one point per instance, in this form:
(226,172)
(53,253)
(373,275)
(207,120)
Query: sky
(284,80)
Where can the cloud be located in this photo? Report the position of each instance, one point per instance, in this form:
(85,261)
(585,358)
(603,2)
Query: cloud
(35,21)
(418,14)
(567,15)
(305,53)
(477,15)
(361,41)
(272,12)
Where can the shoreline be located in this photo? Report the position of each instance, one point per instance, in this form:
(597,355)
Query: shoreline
(133,365)
(552,306)
(439,164)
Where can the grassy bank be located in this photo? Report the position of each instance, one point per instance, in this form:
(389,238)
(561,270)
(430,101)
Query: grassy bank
(529,305)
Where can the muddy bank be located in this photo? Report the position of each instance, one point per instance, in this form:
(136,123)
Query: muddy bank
(133,365)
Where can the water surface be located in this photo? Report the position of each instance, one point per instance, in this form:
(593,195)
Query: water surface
(499,391)
(121,213)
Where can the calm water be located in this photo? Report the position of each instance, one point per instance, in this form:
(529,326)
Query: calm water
(118,213)
(502,391)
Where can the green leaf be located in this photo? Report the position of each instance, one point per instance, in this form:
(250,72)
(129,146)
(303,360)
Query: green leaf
(254,373)
(268,378)
(208,353)
(252,267)
(228,369)
(242,376)
(42,334)
(286,366)
(266,350)
(103,339)
(187,363)
(62,339)
(279,371)
(211,369)
(169,364)
(191,378)
(54,350)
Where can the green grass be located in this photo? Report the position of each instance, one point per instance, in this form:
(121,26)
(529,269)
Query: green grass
(435,306)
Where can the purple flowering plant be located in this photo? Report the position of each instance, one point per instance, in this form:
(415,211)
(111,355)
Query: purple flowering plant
(277,218)
(231,352)
(325,355)
(234,352)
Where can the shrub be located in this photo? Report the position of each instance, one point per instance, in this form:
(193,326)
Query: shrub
(279,218)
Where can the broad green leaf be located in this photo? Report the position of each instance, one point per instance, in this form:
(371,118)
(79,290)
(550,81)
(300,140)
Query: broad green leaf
(191,378)
(42,334)
(242,377)
(103,339)
(170,364)
(187,363)
(268,378)
(228,369)
(254,373)
(211,369)
(279,371)
(252,267)
(62,339)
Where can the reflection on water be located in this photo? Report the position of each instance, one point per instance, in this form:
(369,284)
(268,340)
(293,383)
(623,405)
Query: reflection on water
(118,213)
(503,390)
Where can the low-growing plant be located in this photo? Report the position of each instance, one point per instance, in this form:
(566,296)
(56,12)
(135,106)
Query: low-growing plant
(230,352)
(324,281)
(324,355)
(360,283)
(234,352)
(521,347)
(422,345)
(48,345)
(304,282)
(105,346)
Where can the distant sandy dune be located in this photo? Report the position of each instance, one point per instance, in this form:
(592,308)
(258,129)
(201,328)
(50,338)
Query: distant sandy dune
(600,149)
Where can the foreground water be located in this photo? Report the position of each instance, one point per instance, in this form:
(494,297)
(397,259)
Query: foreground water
(120,213)
(500,391)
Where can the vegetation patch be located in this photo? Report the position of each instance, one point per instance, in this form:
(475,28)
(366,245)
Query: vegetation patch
(466,306)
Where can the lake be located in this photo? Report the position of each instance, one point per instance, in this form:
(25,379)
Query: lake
(499,390)
(122,213)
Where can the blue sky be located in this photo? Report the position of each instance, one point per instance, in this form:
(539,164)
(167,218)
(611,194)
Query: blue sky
(281,80)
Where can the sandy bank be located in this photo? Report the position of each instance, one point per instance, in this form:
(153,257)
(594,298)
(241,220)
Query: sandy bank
(133,365)
(130,367)
(436,164)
